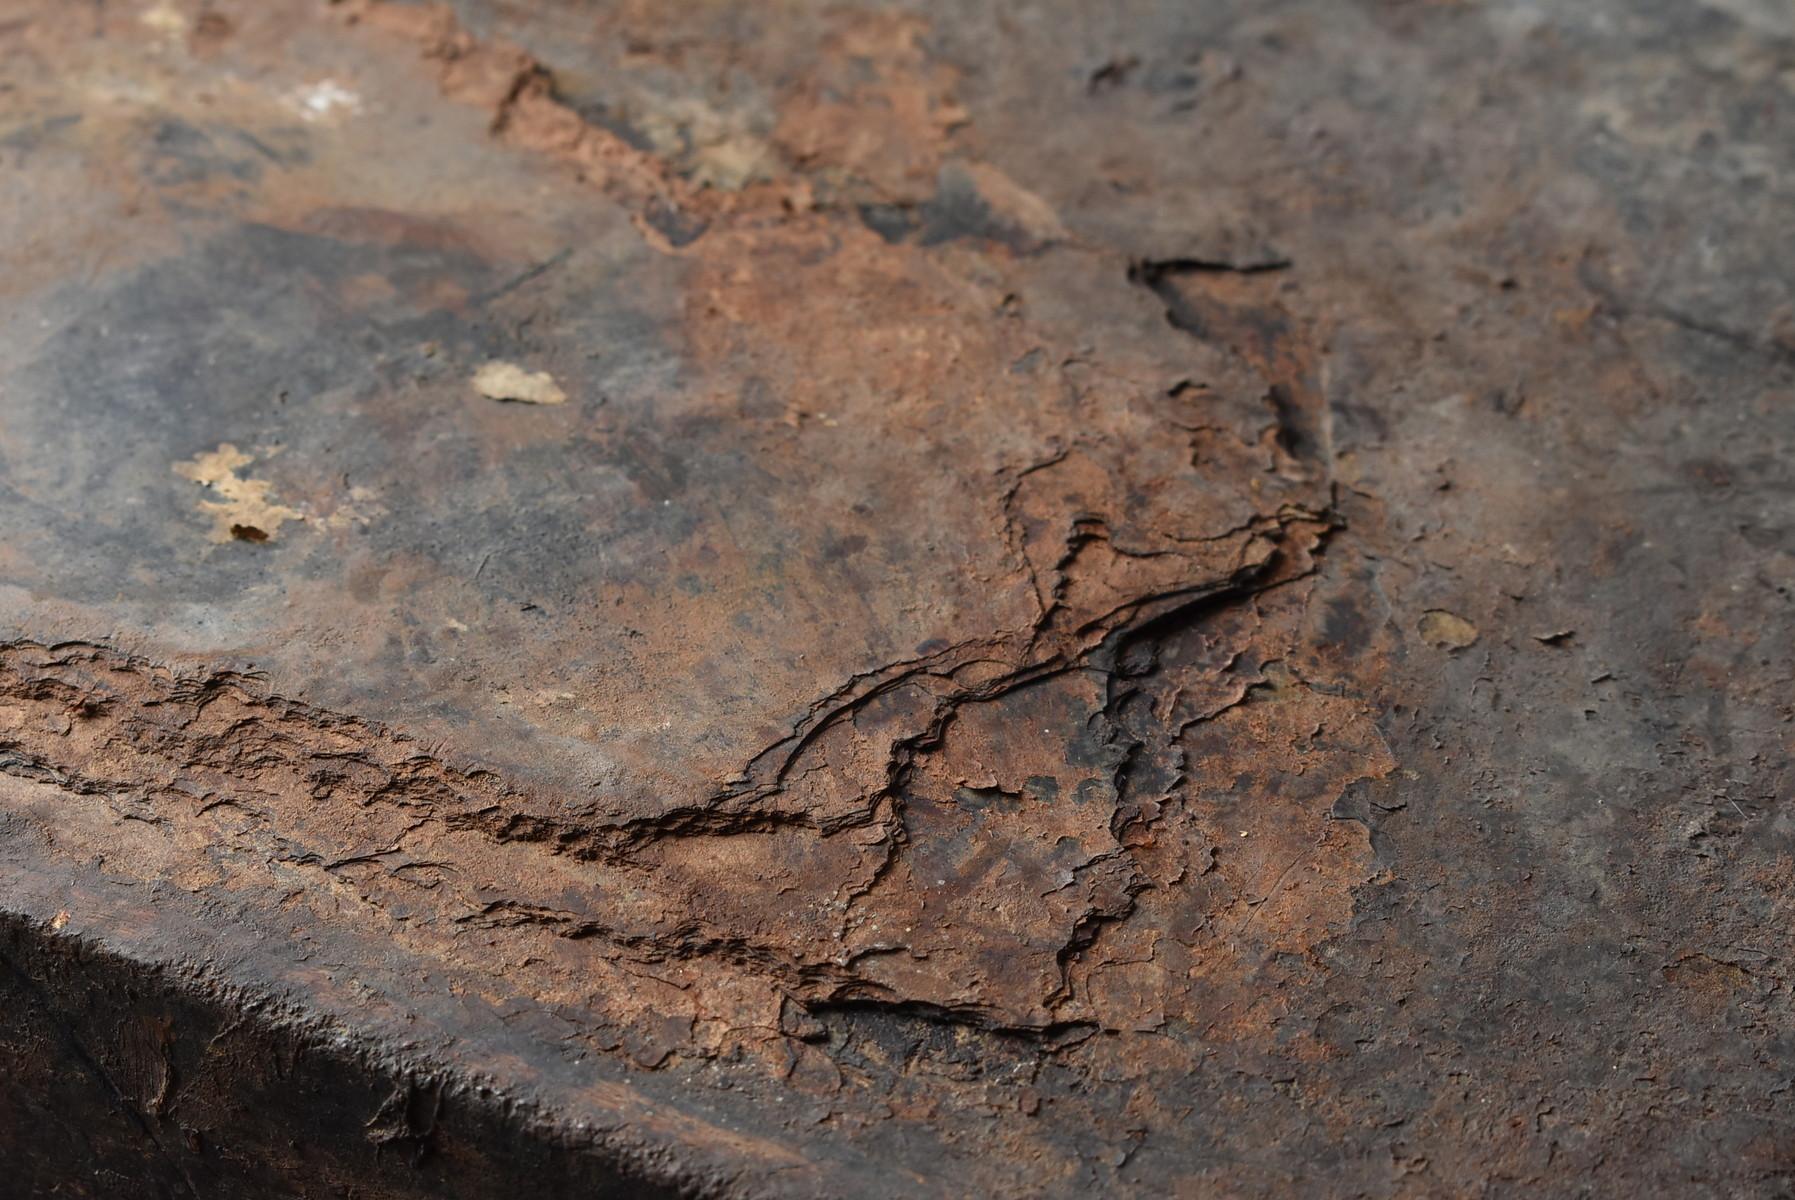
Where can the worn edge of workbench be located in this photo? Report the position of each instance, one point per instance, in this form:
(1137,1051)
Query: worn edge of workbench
(54,967)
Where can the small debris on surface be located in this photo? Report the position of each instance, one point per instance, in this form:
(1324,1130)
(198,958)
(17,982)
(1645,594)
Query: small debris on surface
(1556,637)
(1447,630)
(244,511)
(1011,206)
(508,381)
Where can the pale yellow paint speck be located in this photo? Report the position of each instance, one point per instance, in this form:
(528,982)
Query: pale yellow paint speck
(508,381)
(244,511)
(1447,630)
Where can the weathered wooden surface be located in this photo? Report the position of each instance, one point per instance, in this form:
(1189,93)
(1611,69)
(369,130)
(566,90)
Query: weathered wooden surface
(1162,599)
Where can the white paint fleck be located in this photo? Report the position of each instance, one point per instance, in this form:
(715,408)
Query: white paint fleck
(165,19)
(322,100)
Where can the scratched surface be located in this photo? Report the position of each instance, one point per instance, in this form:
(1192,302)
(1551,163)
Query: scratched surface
(1046,599)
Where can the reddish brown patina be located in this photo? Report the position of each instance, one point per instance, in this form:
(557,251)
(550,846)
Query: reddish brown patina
(895,599)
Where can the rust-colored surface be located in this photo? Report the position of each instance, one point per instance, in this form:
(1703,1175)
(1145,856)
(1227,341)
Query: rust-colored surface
(912,599)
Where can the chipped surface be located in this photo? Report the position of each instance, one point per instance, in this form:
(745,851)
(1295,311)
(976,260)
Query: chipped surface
(1125,599)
